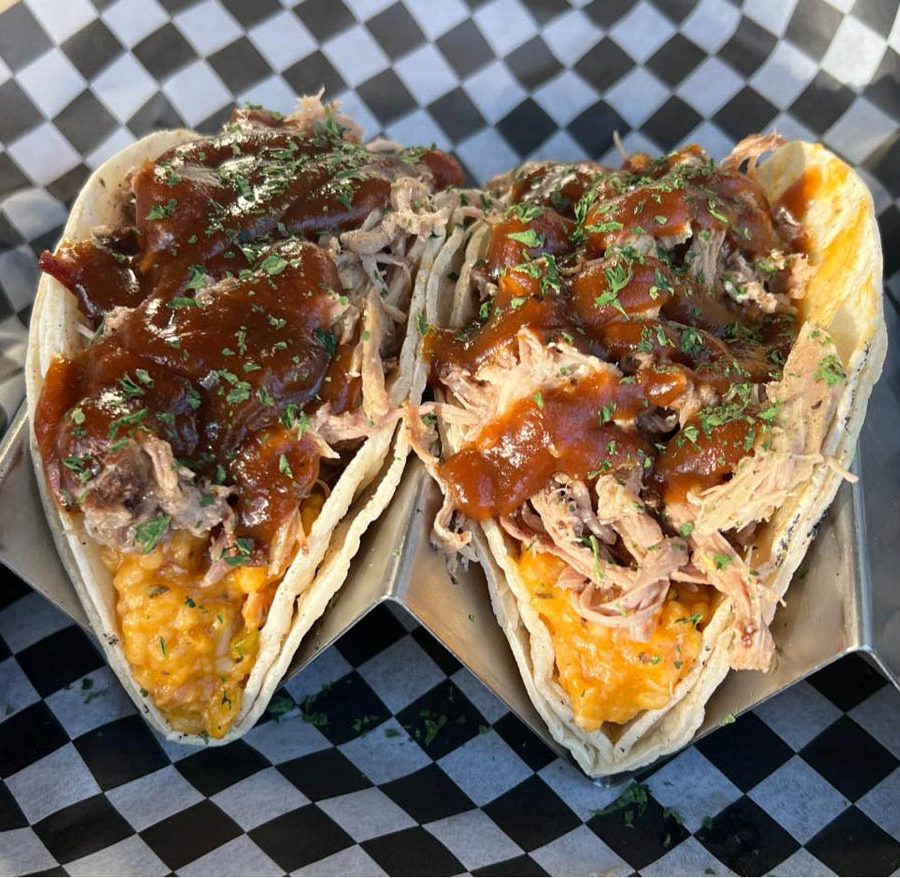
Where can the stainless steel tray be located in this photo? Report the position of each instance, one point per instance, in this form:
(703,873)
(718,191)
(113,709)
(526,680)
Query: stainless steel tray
(844,599)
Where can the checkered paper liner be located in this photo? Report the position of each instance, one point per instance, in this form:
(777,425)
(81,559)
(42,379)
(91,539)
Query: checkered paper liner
(385,756)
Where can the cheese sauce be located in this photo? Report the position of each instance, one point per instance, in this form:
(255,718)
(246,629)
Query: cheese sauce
(609,677)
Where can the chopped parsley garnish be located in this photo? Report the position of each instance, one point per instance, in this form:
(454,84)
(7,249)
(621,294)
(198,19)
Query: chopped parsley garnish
(149,533)
(184,302)
(661,284)
(171,177)
(691,341)
(551,279)
(197,280)
(606,412)
(595,553)
(162,211)
(326,340)
(609,298)
(284,467)
(129,388)
(618,277)
(77,416)
(279,706)
(530,238)
(686,529)
(517,302)
(582,208)
(81,466)
(722,561)
(238,554)
(632,803)
(770,413)
(265,397)
(422,324)
(130,420)
(830,370)
(524,212)
(714,211)
(538,400)
(273,264)
(529,267)
(292,419)
(604,228)
(240,390)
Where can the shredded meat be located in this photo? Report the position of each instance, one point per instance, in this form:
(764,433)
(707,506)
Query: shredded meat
(766,478)
(744,283)
(702,257)
(656,424)
(752,647)
(750,149)
(310,113)
(565,524)
(517,374)
(449,533)
(142,482)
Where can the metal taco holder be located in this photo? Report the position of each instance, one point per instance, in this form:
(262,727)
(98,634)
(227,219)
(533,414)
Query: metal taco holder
(843,600)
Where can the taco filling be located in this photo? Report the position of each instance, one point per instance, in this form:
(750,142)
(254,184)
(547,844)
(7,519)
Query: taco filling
(632,397)
(242,327)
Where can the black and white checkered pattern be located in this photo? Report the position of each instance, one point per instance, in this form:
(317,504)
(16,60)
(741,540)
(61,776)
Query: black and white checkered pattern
(386,756)
(398,761)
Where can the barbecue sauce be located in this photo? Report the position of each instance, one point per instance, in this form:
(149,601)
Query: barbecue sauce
(596,259)
(220,311)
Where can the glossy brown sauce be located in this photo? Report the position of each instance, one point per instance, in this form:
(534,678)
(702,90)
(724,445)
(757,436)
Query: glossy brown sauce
(103,274)
(565,266)
(799,195)
(703,461)
(230,333)
(560,431)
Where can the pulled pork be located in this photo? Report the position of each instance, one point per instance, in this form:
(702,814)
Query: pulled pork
(142,481)
(622,541)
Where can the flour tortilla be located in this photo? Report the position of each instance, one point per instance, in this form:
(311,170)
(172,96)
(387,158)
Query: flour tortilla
(360,495)
(844,299)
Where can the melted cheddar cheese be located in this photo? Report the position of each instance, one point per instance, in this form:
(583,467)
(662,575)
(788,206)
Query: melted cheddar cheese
(608,676)
(192,648)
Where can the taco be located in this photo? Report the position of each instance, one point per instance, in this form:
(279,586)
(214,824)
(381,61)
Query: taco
(649,383)
(219,349)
